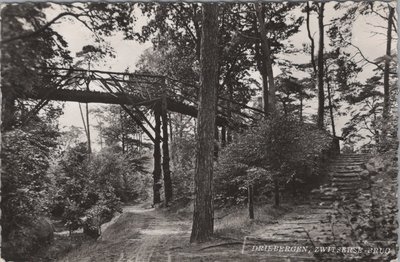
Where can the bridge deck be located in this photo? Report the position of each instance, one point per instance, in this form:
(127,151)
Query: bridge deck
(83,96)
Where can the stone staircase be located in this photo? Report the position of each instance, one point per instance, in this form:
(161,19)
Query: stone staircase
(345,178)
(310,224)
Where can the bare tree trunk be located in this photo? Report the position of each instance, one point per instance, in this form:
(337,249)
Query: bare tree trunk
(229,106)
(123,131)
(165,148)
(88,129)
(312,46)
(386,84)
(266,52)
(331,109)
(171,138)
(157,159)
(321,96)
(203,215)
(83,119)
(87,123)
(181,126)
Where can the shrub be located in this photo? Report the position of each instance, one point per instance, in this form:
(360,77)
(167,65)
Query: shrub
(285,151)
(25,184)
(85,190)
(183,155)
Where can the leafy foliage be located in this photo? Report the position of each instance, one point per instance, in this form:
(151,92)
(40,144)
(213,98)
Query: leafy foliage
(372,214)
(25,186)
(282,148)
(80,190)
(183,163)
(89,190)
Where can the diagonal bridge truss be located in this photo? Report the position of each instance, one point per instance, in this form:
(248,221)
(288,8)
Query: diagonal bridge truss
(136,94)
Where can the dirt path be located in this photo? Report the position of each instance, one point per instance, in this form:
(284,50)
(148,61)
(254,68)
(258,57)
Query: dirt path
(136,235)
(144,235)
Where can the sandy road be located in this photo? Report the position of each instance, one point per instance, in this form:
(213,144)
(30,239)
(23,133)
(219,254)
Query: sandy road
(149,235)
(137,235)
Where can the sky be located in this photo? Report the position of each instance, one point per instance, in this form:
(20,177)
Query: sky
(127,53)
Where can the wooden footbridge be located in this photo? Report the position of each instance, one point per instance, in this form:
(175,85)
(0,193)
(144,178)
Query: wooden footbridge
(137,94)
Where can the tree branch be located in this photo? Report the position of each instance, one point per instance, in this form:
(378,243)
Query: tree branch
(43,28)
(367,60)
(311,39)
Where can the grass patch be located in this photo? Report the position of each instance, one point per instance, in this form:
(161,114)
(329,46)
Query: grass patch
(235,222)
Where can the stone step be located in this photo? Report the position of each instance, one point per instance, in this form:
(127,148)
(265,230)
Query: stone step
(340,182)
(347,163)
(340,171)
(350,179)
(352,159)
(345,178)
(354,156)
(348,174)
(344,187)
(345,168)
(348,191)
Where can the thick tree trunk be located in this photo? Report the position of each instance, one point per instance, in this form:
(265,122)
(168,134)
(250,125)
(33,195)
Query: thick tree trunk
(386,84)
(250,199)
(157,159)
(267,58)
(320,80)
(203,215)
(165,148)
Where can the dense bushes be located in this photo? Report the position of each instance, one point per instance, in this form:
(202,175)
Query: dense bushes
(284,151)
(183,152)
(25,188)
(89,189)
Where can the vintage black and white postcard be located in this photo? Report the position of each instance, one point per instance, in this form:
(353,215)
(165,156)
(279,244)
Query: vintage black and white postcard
(199,131)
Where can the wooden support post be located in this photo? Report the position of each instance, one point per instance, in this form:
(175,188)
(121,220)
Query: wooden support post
(157,159)
(165,148)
